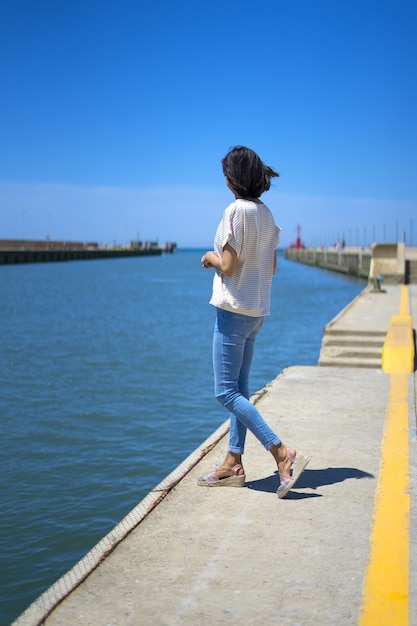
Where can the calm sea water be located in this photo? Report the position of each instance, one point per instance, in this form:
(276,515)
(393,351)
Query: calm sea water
(107,386)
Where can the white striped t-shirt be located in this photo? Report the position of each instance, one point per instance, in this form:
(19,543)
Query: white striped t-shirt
(250,230)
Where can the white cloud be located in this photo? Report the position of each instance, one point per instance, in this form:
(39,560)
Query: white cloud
(188,215)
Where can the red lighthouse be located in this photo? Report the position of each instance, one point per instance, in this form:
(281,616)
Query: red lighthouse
(298,245)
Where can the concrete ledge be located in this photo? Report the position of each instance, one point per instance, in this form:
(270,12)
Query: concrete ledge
(208,556)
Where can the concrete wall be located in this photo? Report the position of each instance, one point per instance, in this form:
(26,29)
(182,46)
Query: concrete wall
(43,244)
(388,260)
(45,256)
(348,261)
(395,263)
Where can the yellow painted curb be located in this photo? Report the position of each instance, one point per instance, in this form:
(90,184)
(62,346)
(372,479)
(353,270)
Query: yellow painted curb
(398,349)
(386,584)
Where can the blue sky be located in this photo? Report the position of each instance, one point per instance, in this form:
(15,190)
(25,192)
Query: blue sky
(115,116)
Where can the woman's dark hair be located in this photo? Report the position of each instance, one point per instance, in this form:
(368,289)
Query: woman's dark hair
(247,175)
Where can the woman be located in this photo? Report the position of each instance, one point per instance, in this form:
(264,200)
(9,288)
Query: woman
(244,258)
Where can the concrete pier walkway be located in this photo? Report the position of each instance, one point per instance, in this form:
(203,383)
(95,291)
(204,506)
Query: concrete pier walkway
(240,556)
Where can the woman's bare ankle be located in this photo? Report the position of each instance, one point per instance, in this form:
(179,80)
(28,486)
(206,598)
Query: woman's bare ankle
(279,452)
(284,458)
(231,459)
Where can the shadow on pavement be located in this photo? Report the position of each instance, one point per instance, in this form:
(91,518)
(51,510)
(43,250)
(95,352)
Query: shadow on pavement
(309,479)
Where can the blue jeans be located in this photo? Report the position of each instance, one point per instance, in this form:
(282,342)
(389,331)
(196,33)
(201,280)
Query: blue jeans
(233,347)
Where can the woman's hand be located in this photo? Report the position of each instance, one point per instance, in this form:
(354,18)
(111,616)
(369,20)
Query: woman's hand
(205,259)
(226,264)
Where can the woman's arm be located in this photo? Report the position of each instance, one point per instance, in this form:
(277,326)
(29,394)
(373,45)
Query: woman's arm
(226,264)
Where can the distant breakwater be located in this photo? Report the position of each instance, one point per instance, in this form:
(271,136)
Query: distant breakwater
(18,251)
